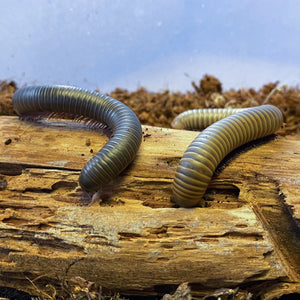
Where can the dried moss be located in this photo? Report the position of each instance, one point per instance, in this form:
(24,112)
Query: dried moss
(7,89)
(159,109)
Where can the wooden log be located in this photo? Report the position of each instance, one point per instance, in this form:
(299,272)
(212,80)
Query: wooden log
(135,240)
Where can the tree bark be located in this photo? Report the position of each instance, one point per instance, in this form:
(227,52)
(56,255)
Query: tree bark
(133,239)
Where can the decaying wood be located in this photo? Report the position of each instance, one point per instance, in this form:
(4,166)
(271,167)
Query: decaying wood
(134,240)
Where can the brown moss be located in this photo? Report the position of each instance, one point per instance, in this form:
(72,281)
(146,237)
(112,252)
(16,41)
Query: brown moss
(210,84)
(159,109)
(7,89)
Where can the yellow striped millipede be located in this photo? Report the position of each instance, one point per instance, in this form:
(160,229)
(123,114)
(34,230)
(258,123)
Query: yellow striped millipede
(126,129)
(199,119)
(200,160)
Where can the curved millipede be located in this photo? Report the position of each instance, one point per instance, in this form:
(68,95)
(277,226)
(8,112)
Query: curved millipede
(200,160)
(126,129)
(199,119)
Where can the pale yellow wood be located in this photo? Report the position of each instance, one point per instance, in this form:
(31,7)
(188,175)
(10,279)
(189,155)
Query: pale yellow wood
(135,240)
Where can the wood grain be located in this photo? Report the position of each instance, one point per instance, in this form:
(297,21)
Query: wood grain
(135,240)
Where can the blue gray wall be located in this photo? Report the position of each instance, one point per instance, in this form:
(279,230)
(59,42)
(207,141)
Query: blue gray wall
(157,44)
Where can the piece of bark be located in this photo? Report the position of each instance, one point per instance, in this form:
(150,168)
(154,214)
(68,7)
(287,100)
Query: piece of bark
(135,241)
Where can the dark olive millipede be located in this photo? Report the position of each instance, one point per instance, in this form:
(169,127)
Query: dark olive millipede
(126,129)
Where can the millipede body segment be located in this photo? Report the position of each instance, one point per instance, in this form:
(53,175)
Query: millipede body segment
(126,129)
(200,160)
(199,119)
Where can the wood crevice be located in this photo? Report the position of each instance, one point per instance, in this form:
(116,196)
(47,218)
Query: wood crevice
(133,239)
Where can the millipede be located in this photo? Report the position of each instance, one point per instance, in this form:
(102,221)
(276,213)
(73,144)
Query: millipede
(199,119)
(126,129)
(227,129)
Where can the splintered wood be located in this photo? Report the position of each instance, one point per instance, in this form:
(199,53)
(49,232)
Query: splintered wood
(132,238)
